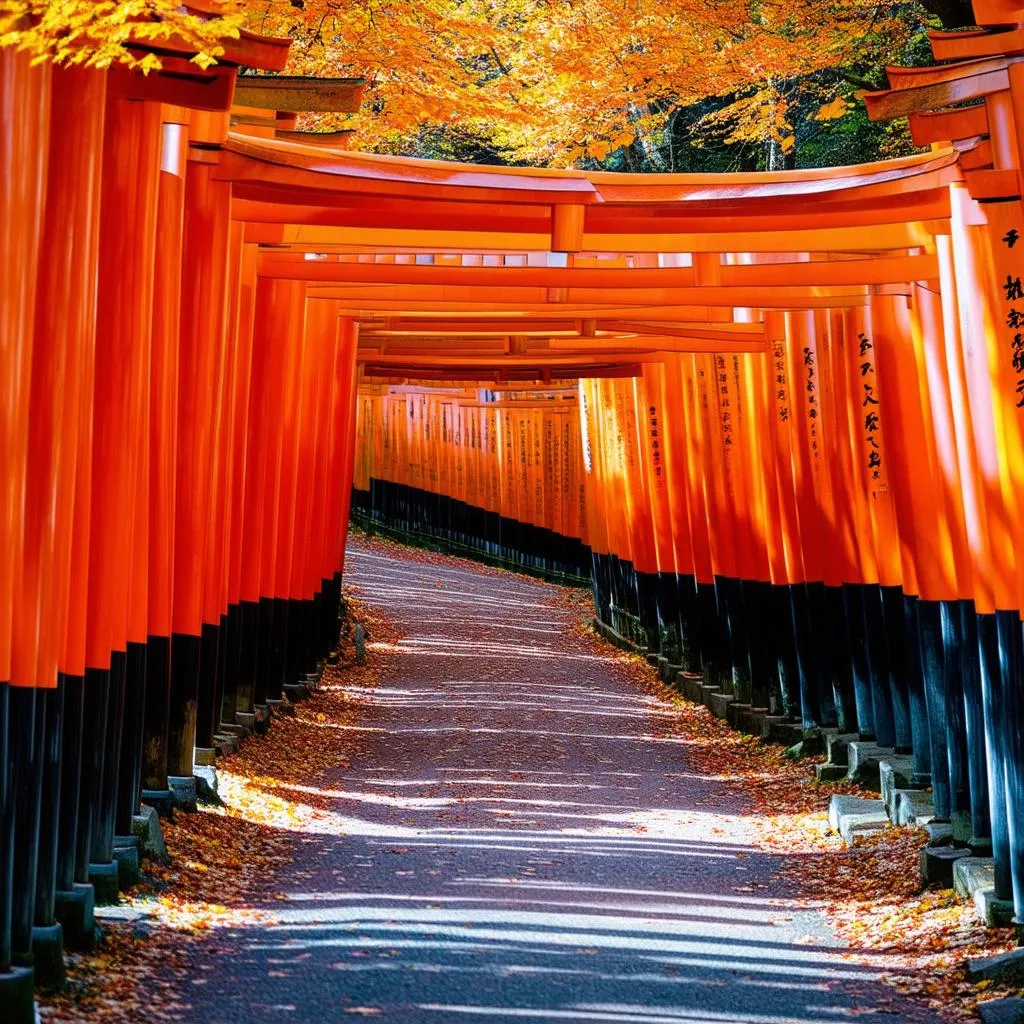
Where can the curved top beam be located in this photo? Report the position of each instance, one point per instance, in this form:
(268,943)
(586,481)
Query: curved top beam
(292,170)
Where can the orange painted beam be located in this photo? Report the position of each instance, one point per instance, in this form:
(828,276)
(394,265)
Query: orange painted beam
(976,43)
(949,125)
(377,298)
(998,13)
(886,270)
(731,235)
(916,90)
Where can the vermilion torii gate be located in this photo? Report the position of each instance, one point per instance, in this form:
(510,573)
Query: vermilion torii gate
(778,418)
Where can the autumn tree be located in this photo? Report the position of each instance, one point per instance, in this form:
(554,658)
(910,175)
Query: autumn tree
(636,84)
(98,33)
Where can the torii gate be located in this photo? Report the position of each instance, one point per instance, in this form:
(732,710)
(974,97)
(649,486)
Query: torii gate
(777,413)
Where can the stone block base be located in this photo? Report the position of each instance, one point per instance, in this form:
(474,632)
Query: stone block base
(852,815)
(1002,1011)
(127,857)
(74,910)
(161,800)
(184,789)
(975,878)
(937,864)
(865,762)
(146,826)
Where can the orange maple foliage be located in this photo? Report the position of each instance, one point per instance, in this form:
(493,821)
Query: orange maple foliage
(553,83)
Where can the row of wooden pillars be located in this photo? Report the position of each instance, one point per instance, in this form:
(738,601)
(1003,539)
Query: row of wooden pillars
(177,450)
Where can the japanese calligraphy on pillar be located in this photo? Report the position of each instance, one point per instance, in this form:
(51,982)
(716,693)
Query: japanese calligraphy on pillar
(869,405)
(781,384)
(813,408)
(1014,293)
(655,435)
(724,400)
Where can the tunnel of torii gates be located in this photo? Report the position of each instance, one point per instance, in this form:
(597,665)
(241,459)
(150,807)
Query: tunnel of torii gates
(778,419)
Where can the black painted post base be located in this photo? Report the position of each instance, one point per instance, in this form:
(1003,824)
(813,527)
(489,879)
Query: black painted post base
(17,995)
(48,957)
(74,911)
(104,878)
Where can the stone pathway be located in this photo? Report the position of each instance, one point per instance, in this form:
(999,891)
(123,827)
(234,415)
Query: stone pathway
(518,838)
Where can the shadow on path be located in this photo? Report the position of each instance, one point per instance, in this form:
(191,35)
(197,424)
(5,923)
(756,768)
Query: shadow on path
(515,838)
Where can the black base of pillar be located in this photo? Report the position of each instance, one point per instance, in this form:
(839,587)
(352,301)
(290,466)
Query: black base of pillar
(156,712)
(181,730)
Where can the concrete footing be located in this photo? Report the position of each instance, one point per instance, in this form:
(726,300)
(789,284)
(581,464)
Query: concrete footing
(975,878)
(1005,969)
(689,686)
(146,826)
(1002,1011)
(853,817)
(184,789)
(75,912)
(895,776)
(937,863)
(227,743)
(17,989)
(864,761)
(912,807)
(826,772)
(104,880)
(127,856)
(246,719)
(720,704)
(296,692)
(207,784)
(778,729)
(161,800)
(204,756)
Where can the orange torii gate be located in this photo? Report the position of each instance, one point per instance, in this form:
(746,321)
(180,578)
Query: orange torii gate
(774,416)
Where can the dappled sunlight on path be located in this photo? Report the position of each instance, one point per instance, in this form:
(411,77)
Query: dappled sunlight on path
(518,834)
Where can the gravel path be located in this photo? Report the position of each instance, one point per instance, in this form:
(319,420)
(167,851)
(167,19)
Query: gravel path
(522,841)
